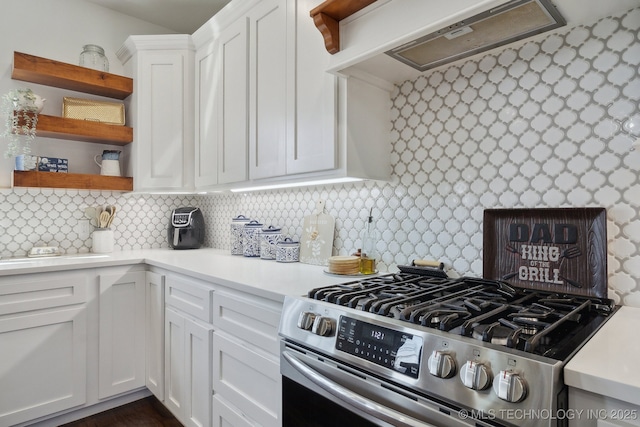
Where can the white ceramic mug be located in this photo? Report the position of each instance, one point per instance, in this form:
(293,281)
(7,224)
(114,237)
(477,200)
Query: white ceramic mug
(108,167)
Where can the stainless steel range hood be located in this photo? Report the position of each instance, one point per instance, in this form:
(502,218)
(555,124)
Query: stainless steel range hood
(504,24)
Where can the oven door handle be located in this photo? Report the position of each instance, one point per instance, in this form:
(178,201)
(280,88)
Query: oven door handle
(353,399)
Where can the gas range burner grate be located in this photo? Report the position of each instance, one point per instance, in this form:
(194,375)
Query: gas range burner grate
(492,311)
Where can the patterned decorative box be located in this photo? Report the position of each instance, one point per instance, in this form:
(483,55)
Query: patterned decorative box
(53,164)
(98,111)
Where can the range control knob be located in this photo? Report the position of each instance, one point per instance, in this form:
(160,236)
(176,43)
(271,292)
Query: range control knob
(475,375)
(306,319)
(510,386)
(442,364)
(322,326)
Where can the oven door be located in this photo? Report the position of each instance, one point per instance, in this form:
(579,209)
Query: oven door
(320,392)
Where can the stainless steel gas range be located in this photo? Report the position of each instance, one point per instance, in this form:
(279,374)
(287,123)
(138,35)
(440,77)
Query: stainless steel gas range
(418,348)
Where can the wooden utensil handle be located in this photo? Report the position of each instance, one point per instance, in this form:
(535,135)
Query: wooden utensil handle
(428,263)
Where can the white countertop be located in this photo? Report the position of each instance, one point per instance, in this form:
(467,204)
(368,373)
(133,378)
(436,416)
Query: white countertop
(266,278)
(605,365)
(608,363)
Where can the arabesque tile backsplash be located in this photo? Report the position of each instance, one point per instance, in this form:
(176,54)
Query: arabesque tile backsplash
(547,123)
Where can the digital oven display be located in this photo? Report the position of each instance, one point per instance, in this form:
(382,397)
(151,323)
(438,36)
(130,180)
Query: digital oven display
(377,334)
(383,346)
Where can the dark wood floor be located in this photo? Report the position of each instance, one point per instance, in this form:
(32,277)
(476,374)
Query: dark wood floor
(148,412)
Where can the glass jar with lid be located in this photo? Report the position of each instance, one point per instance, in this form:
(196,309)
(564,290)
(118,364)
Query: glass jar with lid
(92,56)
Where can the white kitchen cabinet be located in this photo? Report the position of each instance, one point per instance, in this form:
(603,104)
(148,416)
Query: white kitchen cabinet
(592,409)
(190,296)
(43,345)
(161,109)
(188,379)
(225,415)
(268,76)
(293,100)
(154,333)
(252,319)
(121,356)
(188,369)
(174,341)
(246,365)
(222,136)
(303,124)
(248,379)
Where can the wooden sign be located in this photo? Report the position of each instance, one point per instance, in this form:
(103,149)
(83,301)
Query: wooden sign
(560,250)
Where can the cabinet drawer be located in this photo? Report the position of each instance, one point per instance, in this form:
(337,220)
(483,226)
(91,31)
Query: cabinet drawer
(248,380)
(38,291)
(252,319)
(190,296)
(226,415)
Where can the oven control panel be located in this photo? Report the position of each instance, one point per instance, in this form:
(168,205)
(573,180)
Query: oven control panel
(383,346)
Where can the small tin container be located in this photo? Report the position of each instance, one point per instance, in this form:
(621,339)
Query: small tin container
(269,237)
(237,230)
(251,239)
(287,251)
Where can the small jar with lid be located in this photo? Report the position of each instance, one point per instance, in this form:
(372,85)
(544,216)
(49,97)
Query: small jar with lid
(93,57)
(287,251)
(269,237)
(251,239)
(237,230)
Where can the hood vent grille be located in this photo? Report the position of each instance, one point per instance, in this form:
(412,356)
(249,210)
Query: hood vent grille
(515,20)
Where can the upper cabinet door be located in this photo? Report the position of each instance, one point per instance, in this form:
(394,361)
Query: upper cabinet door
(230,104)
(268,79)
(222,135)
(312,147)
(160,123)
(161,111)
(206,120)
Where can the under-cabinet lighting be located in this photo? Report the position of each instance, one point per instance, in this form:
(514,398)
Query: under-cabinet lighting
(296,184)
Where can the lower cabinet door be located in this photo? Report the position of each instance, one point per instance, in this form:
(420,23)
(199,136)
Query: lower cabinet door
(43,363)
(247,379)
(154,325)
(199,381)
(188,380)
(122,330)
(174,362)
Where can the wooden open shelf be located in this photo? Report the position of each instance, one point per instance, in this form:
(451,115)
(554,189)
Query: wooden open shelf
(82,130)
(48,72)
(327,17)
(71,180)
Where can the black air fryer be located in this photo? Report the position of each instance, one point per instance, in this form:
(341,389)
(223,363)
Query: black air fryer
(186,228)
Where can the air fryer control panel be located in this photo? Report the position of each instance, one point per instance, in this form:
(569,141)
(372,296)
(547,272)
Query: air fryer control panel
(181,219)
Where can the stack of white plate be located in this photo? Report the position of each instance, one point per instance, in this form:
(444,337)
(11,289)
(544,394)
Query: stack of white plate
(344,264)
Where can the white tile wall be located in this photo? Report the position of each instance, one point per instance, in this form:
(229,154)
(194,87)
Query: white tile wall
(549,123)
(36,216)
